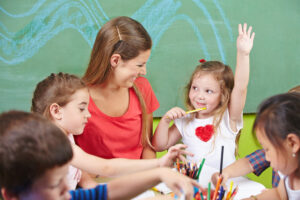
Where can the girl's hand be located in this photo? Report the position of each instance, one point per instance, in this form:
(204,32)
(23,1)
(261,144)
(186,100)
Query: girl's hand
(215,177)
(174,113)
(179,184)
(174,152)
(245,39)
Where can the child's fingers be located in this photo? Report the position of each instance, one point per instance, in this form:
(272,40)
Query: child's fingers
(252,37)
(240,29)
(249,31)
(176,190)
(179,146)
(182,158)
(245,28)
(187,188)
(185,152)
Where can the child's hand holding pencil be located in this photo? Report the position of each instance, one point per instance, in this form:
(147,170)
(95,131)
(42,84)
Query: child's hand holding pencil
(177,112)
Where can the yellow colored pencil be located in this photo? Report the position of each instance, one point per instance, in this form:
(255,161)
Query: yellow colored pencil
(230,190)
(196,110)
(156,190)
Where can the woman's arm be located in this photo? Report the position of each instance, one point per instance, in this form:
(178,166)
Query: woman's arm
(240,167)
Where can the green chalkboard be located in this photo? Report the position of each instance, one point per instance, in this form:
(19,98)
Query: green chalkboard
(38,37)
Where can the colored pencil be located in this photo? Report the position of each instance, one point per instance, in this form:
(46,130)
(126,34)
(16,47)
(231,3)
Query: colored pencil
(217,188)
(221,193)
(196,110)
(200,168)
(221,162)
(201,195)
(234,192)
(229,192)
(178,165)
(208,192)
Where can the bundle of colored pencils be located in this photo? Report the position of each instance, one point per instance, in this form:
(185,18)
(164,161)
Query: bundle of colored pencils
(189,169)
(219,193)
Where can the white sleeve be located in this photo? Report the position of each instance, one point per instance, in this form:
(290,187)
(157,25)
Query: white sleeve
(239,124)
(179,124)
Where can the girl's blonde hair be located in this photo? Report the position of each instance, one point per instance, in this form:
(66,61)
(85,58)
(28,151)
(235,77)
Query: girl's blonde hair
(56,88)
(224,75)
(128,38)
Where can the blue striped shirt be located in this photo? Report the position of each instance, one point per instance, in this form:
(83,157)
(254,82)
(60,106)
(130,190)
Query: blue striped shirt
(97,193)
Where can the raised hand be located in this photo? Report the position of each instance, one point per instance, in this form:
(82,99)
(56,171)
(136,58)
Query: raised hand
(245,39)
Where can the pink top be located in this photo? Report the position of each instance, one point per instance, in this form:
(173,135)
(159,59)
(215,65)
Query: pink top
(118,137)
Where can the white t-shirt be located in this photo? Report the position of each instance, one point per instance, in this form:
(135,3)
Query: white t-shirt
(210,150)
(74,174)
(292,194)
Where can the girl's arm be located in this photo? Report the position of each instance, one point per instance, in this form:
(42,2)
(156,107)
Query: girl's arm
(119,166)
(241,78)
(278,193)
(123,188)
(148,152)
(86,181)
(164,137)
(240,167)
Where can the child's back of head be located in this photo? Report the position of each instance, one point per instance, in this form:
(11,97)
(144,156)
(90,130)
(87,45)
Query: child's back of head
(56,88)
(29,146)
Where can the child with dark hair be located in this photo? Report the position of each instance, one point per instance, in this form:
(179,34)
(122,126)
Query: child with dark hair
(277,129)
(254,162)
(34,161)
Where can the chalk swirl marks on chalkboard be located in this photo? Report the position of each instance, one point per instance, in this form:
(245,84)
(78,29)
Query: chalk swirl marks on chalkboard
(87,17)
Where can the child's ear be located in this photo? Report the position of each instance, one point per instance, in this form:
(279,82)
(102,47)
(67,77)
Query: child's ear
(7,195)
(55,111)
(114,60)
(293,142)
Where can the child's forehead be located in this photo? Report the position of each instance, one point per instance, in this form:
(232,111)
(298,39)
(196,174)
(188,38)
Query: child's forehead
(203,74)
(80,94)
(205,78)
(52,176)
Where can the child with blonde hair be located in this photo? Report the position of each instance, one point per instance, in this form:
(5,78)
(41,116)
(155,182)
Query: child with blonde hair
(212,86)
(64,99)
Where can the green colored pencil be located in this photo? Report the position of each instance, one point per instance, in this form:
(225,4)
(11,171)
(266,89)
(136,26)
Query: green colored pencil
(200,168)
(208,192)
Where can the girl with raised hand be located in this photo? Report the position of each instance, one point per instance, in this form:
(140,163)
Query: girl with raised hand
(222,96)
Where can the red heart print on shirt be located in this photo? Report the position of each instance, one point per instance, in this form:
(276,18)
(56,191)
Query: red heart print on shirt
(204,133)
